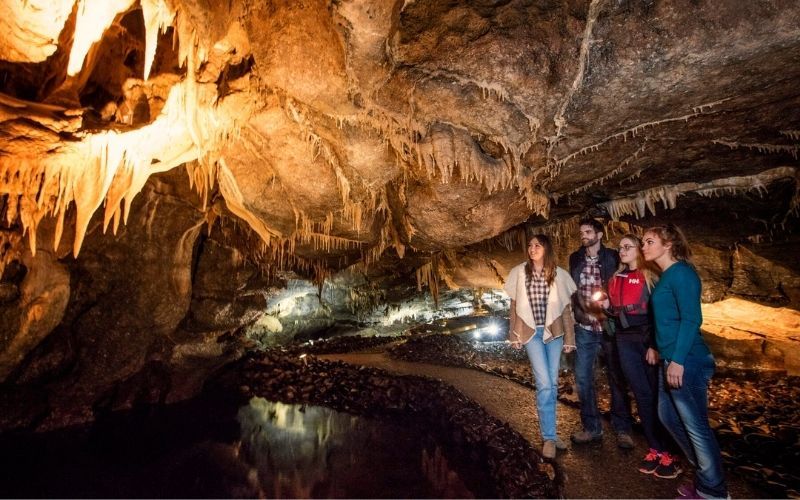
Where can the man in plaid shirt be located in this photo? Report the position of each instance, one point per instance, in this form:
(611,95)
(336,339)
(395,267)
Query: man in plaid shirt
(592,266)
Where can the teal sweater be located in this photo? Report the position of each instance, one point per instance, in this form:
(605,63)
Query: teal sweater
(676,309)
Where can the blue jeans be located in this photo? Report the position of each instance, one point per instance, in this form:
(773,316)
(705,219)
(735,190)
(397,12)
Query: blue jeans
(642,378)
(684,412)
(544,360)
(589,345)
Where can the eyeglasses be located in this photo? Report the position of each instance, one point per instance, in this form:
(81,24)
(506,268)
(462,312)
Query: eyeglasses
(627,248)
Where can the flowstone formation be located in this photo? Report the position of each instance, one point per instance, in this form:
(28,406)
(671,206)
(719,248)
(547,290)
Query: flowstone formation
(168,166)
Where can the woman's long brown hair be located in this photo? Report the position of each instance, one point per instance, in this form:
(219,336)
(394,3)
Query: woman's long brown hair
(670,233)
(549,267)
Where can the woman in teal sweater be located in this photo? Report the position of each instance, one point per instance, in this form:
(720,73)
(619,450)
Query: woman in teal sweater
(687,363)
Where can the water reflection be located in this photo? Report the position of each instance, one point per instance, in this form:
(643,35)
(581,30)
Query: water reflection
(315,452)
(208,448)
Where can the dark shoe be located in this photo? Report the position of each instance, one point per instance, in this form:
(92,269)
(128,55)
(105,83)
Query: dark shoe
(624,441)
(549,449)
(667,467)
(584,437)
(650,462)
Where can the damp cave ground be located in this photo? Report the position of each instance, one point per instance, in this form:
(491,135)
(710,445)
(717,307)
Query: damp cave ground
(756,416)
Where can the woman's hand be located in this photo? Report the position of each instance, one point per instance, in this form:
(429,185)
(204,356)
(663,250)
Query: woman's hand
(514,338)
(675,375)
(651,356)
(568,348)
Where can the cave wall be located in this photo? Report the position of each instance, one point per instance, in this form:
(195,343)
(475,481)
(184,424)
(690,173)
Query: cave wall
(142,316)
(367,161)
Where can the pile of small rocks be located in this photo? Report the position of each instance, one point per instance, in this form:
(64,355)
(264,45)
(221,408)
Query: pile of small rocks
(515,467)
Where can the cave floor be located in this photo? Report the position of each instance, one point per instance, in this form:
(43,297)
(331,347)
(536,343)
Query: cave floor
(591,471)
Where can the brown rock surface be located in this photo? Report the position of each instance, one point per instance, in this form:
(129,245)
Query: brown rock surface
(410,143)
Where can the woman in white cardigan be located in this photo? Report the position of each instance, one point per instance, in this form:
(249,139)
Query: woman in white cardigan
(541,320)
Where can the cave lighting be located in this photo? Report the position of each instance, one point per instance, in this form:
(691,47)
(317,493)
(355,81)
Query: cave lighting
(739,319)
(403,313)
(493,329)
(288,305)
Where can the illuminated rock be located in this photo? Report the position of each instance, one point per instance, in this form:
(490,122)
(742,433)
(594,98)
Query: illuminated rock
(410,144)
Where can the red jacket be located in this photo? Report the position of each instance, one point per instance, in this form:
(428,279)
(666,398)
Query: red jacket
(630,298)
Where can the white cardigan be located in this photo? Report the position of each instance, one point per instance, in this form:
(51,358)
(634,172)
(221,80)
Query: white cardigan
(558,298)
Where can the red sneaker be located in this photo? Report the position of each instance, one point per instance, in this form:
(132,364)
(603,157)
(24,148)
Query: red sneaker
(667,467)
(650,462)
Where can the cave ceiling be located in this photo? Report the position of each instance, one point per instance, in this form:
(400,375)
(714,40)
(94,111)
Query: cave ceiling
(337,132)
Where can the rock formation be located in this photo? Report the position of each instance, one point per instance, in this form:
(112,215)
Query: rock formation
(168,166)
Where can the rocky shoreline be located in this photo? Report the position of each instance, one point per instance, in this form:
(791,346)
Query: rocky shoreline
(515,467)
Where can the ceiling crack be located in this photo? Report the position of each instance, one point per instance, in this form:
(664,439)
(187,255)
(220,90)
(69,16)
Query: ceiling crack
(583,60)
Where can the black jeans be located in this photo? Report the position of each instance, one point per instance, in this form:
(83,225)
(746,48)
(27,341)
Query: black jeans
(642,378)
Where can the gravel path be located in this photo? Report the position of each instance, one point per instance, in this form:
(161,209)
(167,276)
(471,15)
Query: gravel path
(592,471)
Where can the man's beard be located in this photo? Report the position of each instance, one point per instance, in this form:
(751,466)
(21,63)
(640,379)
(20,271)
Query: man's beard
(589,242)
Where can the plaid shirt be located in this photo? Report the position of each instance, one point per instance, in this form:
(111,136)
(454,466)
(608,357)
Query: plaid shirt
(538,290)
(590,282)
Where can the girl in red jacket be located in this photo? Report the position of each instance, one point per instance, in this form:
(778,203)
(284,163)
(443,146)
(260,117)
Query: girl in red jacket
(628,306)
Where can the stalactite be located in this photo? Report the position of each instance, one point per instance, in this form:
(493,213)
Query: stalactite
(114,166)
(639,203)
(615,171)
(792,134)
(487,89)
(158,16)
(10,248)
(320,148)
(94,18)
(557,231)
(234,200)
(698,110)
(761,147)
(427,275)
(328,243)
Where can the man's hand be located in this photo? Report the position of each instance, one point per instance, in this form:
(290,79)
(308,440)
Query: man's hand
(651,356)
(675,375)
(516,344)
(568,348)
